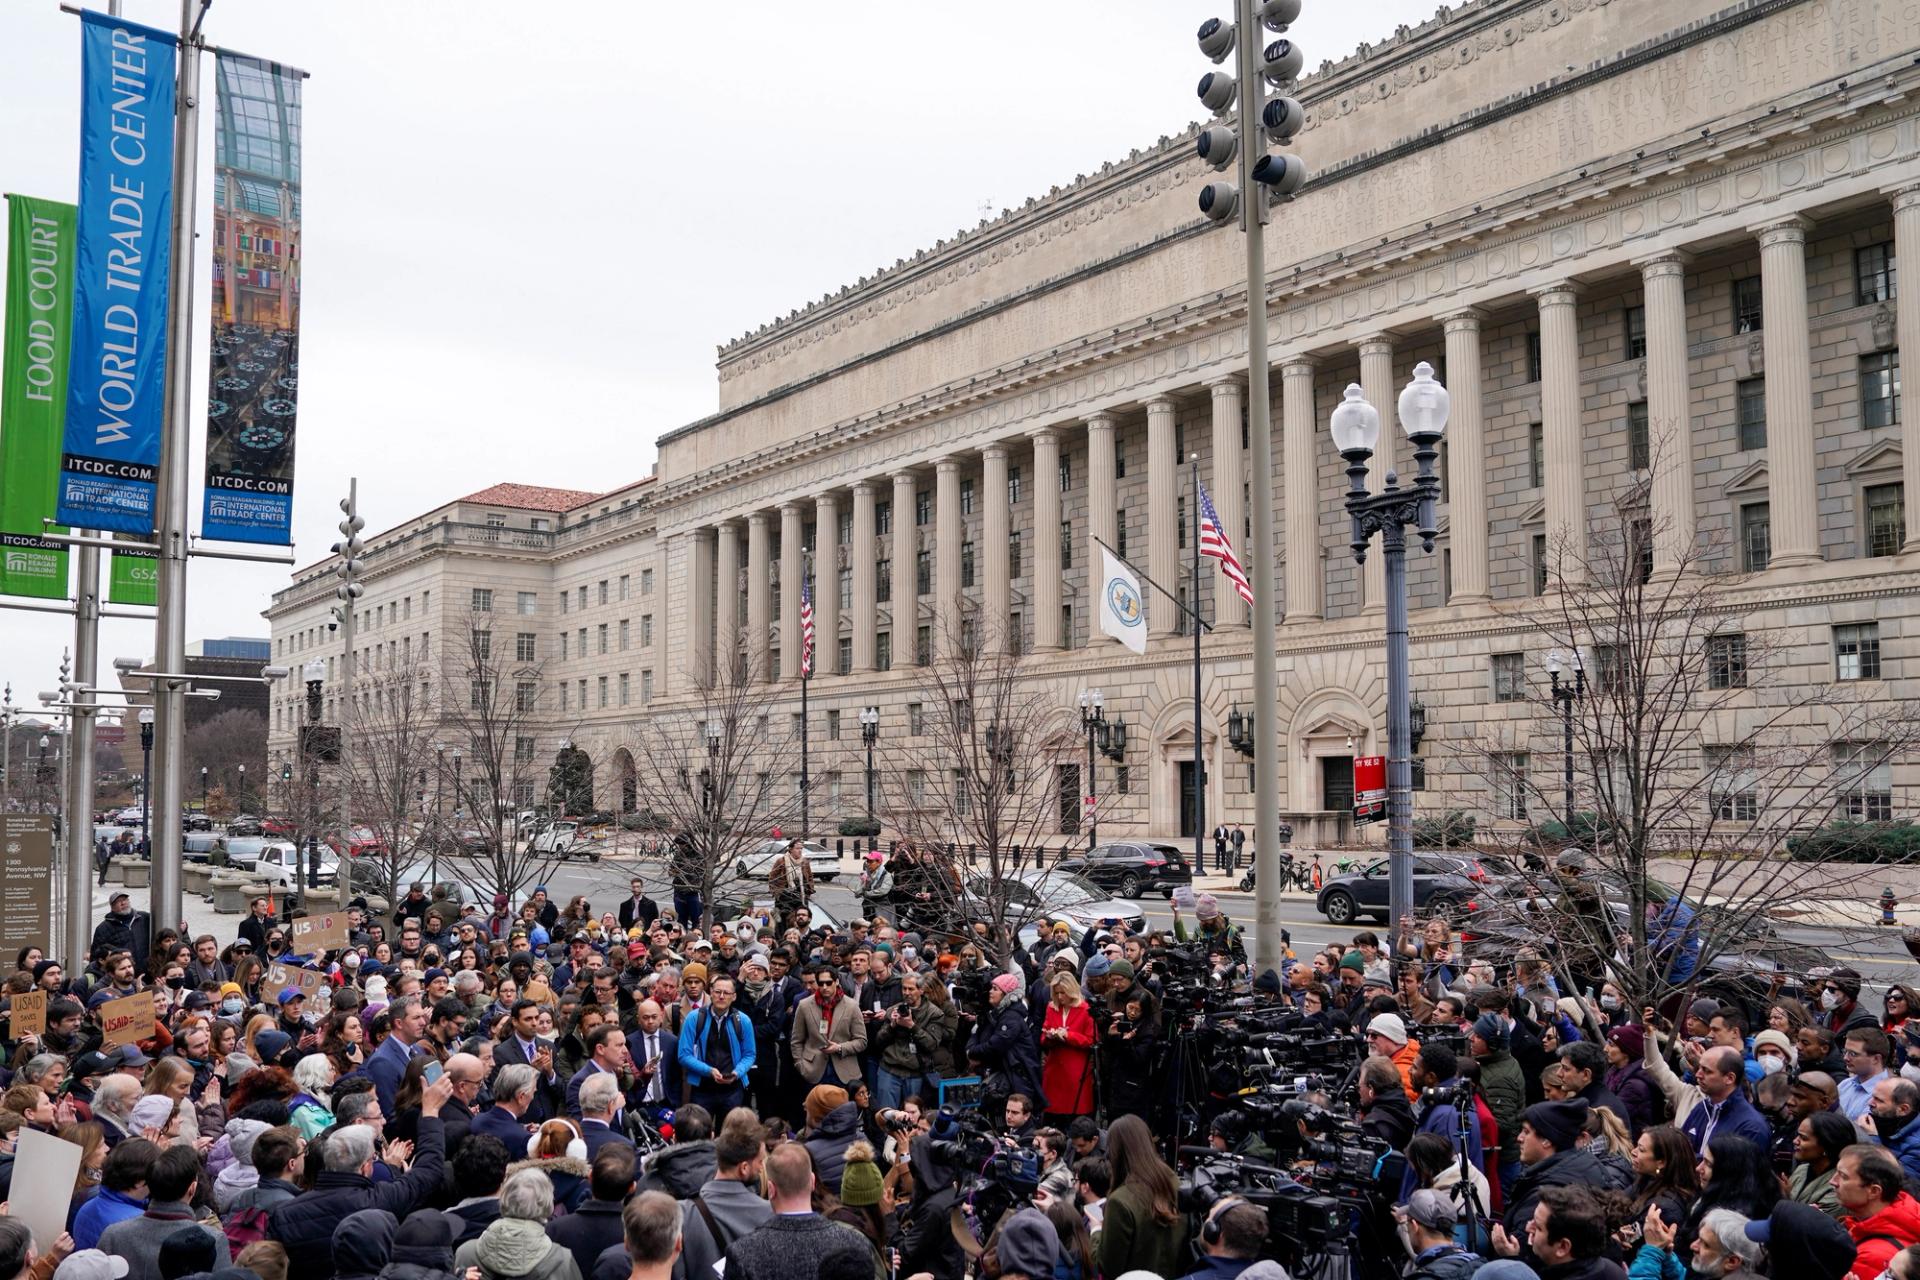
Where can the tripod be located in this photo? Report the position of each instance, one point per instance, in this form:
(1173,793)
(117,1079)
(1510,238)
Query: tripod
(1474,1212)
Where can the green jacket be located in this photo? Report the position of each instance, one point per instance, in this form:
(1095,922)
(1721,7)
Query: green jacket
(910,1051)
(1131,1240)
(1504,1086)
(1236,949)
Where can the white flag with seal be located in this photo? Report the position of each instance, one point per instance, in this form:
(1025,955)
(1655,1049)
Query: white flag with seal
(1123,614)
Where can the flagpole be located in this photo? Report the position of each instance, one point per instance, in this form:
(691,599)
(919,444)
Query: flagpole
(1199,756)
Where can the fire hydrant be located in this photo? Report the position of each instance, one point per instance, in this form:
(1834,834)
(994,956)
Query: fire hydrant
(1887,903)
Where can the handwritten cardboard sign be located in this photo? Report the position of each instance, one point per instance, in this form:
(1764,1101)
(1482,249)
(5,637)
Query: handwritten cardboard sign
(315,934)
(126,1020)
(305,981)
(1183,897)
(29,1014)
(42,1200)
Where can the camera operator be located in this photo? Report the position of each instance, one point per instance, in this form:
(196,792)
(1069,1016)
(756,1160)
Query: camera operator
(926,1240)
(1128,1048)
(1428,1221)
(1445,1103)
(1385,1113)
(1230,1240)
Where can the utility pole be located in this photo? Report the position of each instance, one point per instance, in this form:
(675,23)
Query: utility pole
(349,570)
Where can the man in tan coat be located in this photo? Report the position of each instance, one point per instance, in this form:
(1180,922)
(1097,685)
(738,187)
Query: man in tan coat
(829,1034)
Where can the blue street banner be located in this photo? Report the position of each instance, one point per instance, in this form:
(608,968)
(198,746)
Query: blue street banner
(116,383)
(254,369)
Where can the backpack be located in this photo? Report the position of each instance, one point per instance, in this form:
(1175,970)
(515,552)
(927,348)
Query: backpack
(244,1227)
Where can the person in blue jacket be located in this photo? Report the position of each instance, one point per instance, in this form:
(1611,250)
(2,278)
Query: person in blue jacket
(717,1066)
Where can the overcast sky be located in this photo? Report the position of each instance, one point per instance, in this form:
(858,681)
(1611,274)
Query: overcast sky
(527,227)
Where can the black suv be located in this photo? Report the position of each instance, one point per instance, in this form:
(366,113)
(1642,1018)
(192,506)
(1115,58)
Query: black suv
(1126,867)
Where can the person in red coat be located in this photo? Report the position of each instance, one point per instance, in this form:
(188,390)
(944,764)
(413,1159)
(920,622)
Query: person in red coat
(1066,1052)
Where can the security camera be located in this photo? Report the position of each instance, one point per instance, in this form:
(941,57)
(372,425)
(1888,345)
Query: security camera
(1217,91)
(1283,117)
(333,626)
(1219,200)
(1281,62)
(1282,173)
(1218,145)
(1216,39)
(1278,15)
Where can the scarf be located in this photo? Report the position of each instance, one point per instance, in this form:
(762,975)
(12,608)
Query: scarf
(757,988)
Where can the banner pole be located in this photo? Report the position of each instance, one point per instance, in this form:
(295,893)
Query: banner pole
(173,491)
(79,831)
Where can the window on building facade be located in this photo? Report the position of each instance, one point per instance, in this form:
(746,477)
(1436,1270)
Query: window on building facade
(526,695)
(603,591)
(1756,536)
(1864,775)
(1509,677)
(1066,473)
(1880,389)
(565,602)
(882,580)
(1510,785)
(1732,786)
(1013,485)
(916,719)
(1540,565)
(773,592)
(583,695)
(966,564)
(1533,356)
(843,656)
(923,647)
(479,695)
(1727,661)
(482,645)
(1119,460)
(601,689)
(623,635)
(1639,443)
(1750,400)
(1013,555)
(843,527)
(623,689)
(600,638)
(646,686)
(1640,547)
(1181,621)
(962,794)
(923,507)
(1873,273)
(582,601)
(1016,634)
(1066,544)
(646,631)
(917,788)
(809,533)
(844,586)
(883,650)
(923,573)
(583,641)
(525,645)
(1066,626)
(1634,322)
(563,696)
(523,749)
(1747,314)
(626,585)
(966,497)
(1536,454)
(883,517)
(1856,651)
(1886,518)
(495,520)
(1608,669)
(1180,522)
(1120,532)
(482,600)
(646,582)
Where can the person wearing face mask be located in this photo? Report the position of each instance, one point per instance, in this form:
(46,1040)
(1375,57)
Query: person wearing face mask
(1774,1053)
(233,1002)
(1839,1001)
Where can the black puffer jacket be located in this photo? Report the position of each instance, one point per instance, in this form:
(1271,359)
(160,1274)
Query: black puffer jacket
(422,1249)
(1574,1168)
(362,1244)
(828,1144)
(304,1225)
(681,1169)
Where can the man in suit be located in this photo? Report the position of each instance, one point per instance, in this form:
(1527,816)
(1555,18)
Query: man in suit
(638,908)
(599,1105)
(828,1034)
(408,1016)
(655,1053)
(606,1055)
(524,1047)
(469,1076)
(513,1093)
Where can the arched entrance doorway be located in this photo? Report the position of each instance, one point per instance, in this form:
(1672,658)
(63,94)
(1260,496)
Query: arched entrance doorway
(626,776)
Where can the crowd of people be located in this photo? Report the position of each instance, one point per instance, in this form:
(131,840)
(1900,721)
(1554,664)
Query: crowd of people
(530,1091)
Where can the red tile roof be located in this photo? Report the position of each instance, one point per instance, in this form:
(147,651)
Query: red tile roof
(530,497)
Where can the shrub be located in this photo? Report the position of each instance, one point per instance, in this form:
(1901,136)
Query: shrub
(1446,831)
(1848,841)
(859,826)
(1586,830)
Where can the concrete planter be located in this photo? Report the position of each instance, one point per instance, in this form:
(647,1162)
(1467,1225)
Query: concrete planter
(195,877)
(134,873)
(231,894)
(116,871)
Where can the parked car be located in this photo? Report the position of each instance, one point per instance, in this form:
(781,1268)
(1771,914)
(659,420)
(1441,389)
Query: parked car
(196,822)
(564,840)
(198,846)
(278,863)
(246,824)
(131,816)
(1036,896)
(1129,867)
(1438,880)
(758,864)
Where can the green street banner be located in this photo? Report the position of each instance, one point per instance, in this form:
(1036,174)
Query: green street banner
(133,577)
(33,393)
(254,371)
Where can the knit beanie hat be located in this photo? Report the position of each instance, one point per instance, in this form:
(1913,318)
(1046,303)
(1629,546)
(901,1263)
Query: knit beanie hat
(152,1111)
(821,1101)
(1122,970)
(1006,984)
(1490,1029)
(860,1181)
(1268,981)
(1097,967)
(1355,961)
(693,972)
(1390,1025)
(1778,1040)
(1560,1123)
(1631,1040)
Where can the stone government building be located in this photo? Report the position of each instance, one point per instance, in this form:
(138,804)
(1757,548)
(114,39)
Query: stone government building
(1627,232)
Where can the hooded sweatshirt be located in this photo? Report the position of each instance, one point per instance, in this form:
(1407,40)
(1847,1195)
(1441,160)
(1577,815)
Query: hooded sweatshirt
(362,1243)
(237,1175)
(422,1249)
(512,1248)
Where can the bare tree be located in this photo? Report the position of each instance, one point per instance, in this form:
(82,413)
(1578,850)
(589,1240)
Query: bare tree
(393,727)
(973,792)
(1701,770)
(490,712)
(718,772)
(221,745)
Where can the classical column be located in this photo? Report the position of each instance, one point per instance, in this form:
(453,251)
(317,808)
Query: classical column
(826,586)
(946,555)
(1466,459)
(863,554)
(759,598)
(1229,610)
(1906,248)
(906,584)
(726,601)
(698,669)
(1791,497)
(1046,541)
(792,519)
(1305,586)
(1376,378)
(1560,429)
(996,591)
(1102,514)
(1663,281)
(1164,483)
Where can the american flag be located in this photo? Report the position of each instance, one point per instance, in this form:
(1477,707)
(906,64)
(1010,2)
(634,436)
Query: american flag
(806,629)
(1213,542)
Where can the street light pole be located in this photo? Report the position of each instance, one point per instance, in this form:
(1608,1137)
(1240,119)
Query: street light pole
(869,733)
(1564,697)
(146,775)
(1093,719)
(1356,430)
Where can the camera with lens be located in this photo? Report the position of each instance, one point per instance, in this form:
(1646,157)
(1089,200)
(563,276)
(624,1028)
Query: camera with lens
(1300,1224)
